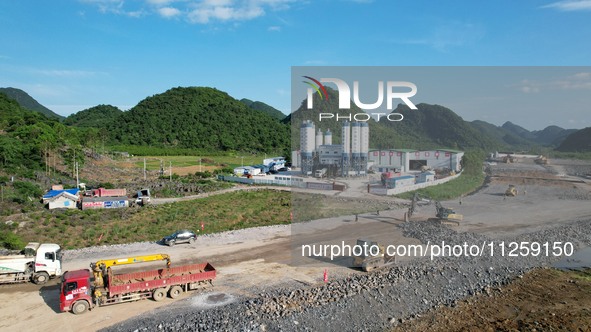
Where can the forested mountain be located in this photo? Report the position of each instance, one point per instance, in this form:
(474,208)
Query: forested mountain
(431,126)
(100,116)
(549,136)
(26,101)
(28,138)
(502,135)
(552,135)
(579,141)
(260,106)
(200,118)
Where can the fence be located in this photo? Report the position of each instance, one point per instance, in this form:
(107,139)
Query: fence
(288,181)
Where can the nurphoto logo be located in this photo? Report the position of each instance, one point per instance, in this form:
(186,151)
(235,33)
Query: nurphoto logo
(392,92)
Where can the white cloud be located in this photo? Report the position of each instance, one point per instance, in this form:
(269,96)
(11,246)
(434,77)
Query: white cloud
(65,72)
(449,35)
(228,10)
(168,12)
(159,2)
(116,7)
(197,11)
(570,5)
(578,81)
(274,28)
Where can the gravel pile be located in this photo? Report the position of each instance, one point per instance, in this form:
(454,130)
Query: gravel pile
(372,301)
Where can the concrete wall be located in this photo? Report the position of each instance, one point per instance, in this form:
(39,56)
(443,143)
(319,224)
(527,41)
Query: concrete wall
(62,203)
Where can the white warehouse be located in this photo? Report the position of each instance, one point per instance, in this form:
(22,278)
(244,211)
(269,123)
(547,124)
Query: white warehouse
(405,160)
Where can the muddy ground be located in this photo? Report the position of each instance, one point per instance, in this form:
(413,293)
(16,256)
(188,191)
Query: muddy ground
(542,300)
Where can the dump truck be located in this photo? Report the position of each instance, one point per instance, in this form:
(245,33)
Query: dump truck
(83,290)
(142,197)
(37,263)
(373,255)
(102,192)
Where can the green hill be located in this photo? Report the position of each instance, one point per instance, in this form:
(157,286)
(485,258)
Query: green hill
(260,106)
(199,118)
(99,116)
(26,101)
(579,141)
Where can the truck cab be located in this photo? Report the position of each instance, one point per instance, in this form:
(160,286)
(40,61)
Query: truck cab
(48,262)
(76,291)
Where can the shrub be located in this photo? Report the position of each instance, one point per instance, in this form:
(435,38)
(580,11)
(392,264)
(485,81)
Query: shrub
(9,240)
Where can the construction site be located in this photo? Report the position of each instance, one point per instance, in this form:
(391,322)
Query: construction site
(263,282)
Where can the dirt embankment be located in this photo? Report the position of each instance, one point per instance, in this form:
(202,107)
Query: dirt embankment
(543,300)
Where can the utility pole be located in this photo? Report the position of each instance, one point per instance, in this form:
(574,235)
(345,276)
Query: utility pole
(199,164)
(77,179)
(170,167)
(144,168)
(242,161)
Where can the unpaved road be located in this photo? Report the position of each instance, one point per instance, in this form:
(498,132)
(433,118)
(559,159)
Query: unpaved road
(249,261)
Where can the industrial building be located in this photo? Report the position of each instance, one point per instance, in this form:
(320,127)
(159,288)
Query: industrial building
(405,160)
(353,158)
(318,152)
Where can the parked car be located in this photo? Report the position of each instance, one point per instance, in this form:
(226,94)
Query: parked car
(183,236)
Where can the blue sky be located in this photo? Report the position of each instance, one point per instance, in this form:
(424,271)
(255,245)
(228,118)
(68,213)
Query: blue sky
(71,55)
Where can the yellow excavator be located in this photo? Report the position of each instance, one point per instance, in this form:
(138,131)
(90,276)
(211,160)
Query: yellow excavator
(443,214)
(101,268)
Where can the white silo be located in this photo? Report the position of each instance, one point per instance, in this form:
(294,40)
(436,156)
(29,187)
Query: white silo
(346,139)
(355,140)
(307,141)
(328,137)
(364,139)
(319,140)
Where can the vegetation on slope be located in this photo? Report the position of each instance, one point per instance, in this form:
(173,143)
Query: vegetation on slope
(199,118)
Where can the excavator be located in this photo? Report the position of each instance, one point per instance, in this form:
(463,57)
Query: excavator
(101,268)
(443,214)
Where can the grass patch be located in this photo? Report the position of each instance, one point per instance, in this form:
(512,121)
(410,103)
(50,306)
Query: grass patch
(463,185)
(153,162)
(231,211)
(584,275)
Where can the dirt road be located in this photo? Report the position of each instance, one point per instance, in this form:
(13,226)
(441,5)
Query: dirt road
(249,261)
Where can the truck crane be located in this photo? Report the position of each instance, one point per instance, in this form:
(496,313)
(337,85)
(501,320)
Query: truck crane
(100,269)
(79,291)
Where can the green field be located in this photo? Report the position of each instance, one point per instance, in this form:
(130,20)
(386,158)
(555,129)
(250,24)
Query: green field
(153,162)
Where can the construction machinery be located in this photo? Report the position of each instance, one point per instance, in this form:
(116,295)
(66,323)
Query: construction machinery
(81,290)
(101,268)
(511,191)
(371,255)
(443,214)
(38,262)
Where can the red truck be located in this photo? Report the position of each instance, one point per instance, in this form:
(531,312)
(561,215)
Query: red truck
(102,192)
(79,292)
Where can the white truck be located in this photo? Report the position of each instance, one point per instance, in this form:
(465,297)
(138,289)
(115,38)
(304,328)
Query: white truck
(37,263)
(320,173)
